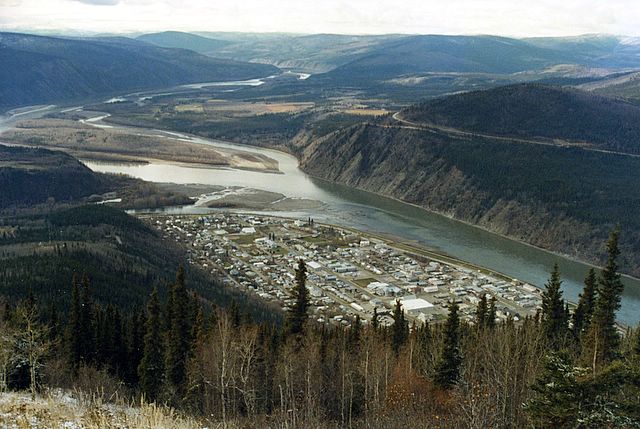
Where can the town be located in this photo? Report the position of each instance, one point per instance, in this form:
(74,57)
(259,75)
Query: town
(349,273)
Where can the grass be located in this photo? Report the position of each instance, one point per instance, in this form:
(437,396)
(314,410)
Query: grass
(364,282)
(243,239)
(58,410)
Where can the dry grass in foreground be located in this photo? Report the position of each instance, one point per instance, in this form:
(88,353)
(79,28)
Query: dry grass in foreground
(60,410)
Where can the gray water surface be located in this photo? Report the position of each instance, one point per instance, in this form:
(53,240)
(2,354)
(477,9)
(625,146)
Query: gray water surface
(366,211)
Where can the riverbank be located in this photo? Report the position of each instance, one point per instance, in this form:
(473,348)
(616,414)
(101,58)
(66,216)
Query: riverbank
(472,225)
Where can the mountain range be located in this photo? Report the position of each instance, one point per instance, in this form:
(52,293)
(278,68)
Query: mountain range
(383,56)
(38,69)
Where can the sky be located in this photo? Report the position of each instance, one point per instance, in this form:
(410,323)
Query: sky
(518,18)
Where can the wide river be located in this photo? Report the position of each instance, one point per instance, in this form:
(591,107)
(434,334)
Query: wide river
(369,212)
(366,211)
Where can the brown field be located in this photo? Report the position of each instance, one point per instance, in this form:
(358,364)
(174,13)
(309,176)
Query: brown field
(366,112)
(241,108)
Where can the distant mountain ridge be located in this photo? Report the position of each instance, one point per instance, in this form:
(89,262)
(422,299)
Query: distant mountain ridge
(38,69)
(180,40)
(484,54)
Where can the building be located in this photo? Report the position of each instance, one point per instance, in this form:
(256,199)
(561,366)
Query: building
(416,305)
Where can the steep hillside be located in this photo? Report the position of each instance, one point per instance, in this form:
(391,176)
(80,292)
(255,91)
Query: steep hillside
(537,111)
(124,258)
(38,69)
(178,39)
(32,176)
(563,199)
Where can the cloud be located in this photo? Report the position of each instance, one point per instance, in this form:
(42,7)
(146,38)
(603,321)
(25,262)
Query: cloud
(100,2)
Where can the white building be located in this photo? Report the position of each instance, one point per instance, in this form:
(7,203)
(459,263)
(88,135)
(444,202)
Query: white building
(416,305)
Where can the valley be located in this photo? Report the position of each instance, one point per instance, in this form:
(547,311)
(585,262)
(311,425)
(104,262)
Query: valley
(224,229)
(345,206)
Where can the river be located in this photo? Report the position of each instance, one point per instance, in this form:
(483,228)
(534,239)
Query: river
(369,212)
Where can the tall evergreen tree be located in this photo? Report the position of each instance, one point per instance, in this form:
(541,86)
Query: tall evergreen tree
(490,319)
(448,366)
(234,314)
(553,311)
(179,335)
(87,330)
(375,323)
(586,304)
(400,330)
(151,367)
(297,315)
(73,326)
(603,338)
(135,344)
(481,312)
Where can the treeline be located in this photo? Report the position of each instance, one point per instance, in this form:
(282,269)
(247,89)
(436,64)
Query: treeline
(562,368)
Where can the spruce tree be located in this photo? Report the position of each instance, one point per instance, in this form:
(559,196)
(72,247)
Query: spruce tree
(73,326)
(400,329)
(586,304)
(490,320)
(603,338)
(448,366)
(151,367)
(375,323)
(553,310)
(136,327)
(87,323)
(234,314)
(481,312)
(179,335)
(297,315)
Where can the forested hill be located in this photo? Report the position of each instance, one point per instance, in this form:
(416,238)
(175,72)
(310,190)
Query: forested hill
(123,257)
(32,176)
(562,199)
(537,111)
(37,69)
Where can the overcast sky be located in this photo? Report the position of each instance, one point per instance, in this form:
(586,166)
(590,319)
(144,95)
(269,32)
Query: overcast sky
(503,17)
